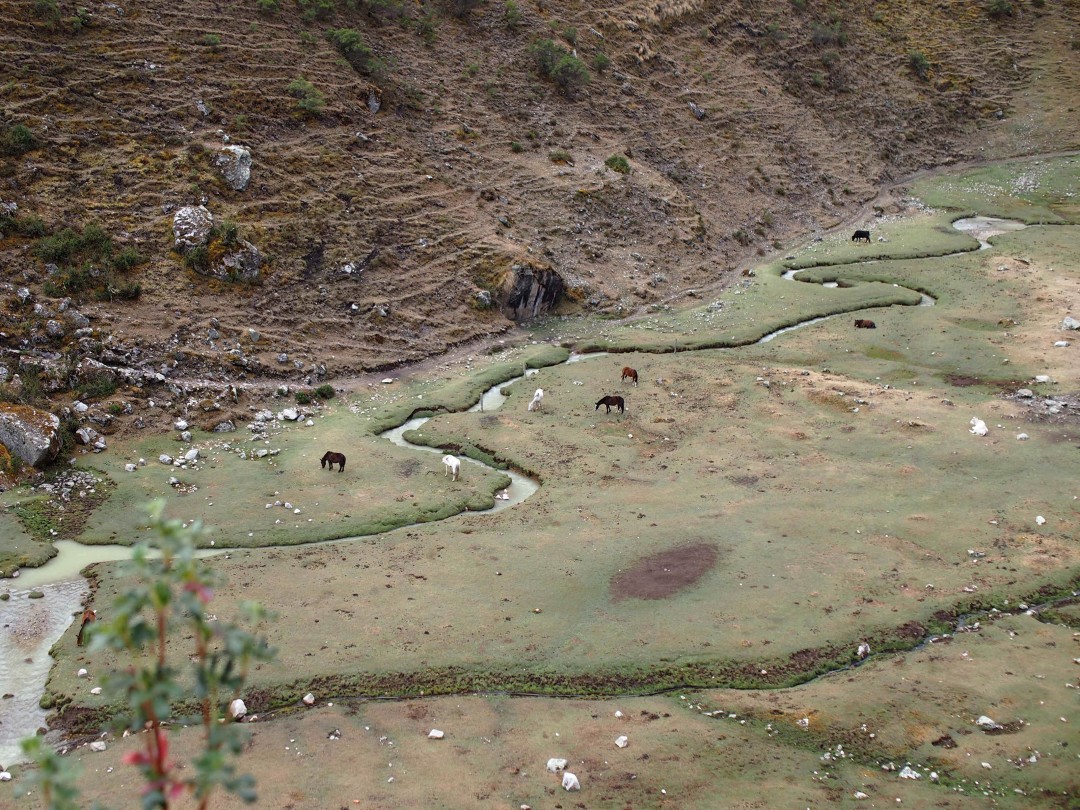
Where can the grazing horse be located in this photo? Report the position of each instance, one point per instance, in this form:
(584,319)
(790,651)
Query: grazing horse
(862,323)
(629,372)
(860,236)
(451,464)
(537,403)
(87,617)
(611,401)
(332,458)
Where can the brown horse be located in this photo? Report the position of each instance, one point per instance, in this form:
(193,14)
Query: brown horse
(629,372)
(333,458)
(863,323)
(610,402)
(87,617)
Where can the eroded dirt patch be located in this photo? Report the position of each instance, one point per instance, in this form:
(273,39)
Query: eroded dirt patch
(662,575)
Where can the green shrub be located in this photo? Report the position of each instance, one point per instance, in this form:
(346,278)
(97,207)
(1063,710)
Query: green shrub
(310,99)
(268,7)
(325,391)
(462,8)
(31,226)
(227,232)
(561,156)
(829,58)
(197,259)
(79,20)
(17,140)
(516,147)
(601,62)
(828,34)
(47,11)
(60,247)
(97,387)
(127,259)
(618,163)
(1000,9)
(68,281)
(211,40)
(512,16)
(316,9)
(351,45)
(919,64)
(817,78)
(570,74)
(303,397)
(570,35)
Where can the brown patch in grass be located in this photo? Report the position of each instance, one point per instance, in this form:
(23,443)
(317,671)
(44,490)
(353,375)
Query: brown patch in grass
(659,576)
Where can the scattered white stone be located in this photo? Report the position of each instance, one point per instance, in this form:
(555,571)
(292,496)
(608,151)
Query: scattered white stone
(988,766)
(622,741)
(910,773)
(987,723)
(1060,344)
(387,381)
(309,699)
(6,777)
(96,690)
(863,651)
(82,673)
(618,713)
(237,709)
(310,423)
(165,458)
(978,426)
(1040,519)
(804,722)
(554,765)
(860,795)
(1022,437)
(1070,323)
(192,454)
(98,745)
(570,782)
(435,734)
(180,424)
(142,462)
(130,467)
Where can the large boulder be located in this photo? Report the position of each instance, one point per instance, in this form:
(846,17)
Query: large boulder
(191,227)
(30,434)
(242,263)
(234,163)
(534,291)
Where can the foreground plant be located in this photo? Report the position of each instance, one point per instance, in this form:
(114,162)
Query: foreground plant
(168,599)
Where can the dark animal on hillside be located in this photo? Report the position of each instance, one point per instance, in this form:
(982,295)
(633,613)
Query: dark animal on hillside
(611,402)
(333,458)
(860,236)
(629,372)
(87,617)
(862,323)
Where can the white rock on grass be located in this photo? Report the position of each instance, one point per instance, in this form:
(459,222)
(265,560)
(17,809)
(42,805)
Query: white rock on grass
(978,426)
(165,458)
(1022,437)
(309,699)
(5,776)
(554,765)
(622,741)
(237,709)
(192,454)
(987,723)
(570,782)
(98,745)
(910,773)
(82,673)
(96,690)
(130,467)
(180,424)
(435,734)
(1040,519)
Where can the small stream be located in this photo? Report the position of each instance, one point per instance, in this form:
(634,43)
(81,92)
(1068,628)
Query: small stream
(981,228)
(32,626)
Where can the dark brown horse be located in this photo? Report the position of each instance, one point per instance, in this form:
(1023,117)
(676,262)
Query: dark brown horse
(333,458)
(863,323)
(610,402)
(629,372)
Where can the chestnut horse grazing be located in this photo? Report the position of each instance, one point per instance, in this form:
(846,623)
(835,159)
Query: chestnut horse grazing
(610,402)
(87,617)
(332,458)
(629,372)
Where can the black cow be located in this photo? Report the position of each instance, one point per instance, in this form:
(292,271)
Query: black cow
(860,236)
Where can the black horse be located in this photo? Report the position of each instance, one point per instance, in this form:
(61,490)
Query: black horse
(333,458)
(610,402)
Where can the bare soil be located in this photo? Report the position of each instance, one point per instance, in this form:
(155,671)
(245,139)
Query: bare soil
(661,575)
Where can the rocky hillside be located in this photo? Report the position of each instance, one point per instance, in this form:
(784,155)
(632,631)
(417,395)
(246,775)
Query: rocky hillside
(423,174)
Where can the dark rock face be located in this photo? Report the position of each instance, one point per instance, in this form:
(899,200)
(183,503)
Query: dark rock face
(535,291)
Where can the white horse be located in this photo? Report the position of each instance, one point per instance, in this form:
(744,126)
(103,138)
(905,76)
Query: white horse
(537,403)
(451,464)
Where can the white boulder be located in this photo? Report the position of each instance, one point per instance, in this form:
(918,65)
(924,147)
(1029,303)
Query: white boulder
(309,699)
(435,734)
(554,765)
(622,741)
(570,782)
(237,709)
(978,426)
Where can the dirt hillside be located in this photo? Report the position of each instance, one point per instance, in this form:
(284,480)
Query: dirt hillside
(412,162)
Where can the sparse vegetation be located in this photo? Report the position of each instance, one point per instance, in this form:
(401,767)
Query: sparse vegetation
(325,391)
(516,146)
(561,156)
(268,7)
(316,9)
(601,62)
(211,41)
(1000,9)
(828,33)
(303,397)
(512,16)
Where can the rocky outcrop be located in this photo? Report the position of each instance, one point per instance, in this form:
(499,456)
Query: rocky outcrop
(191,227)
(30,434)
(234,163)
(242,263)
(535,290)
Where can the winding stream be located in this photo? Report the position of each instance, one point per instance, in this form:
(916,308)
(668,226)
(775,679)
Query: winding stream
(32,626)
